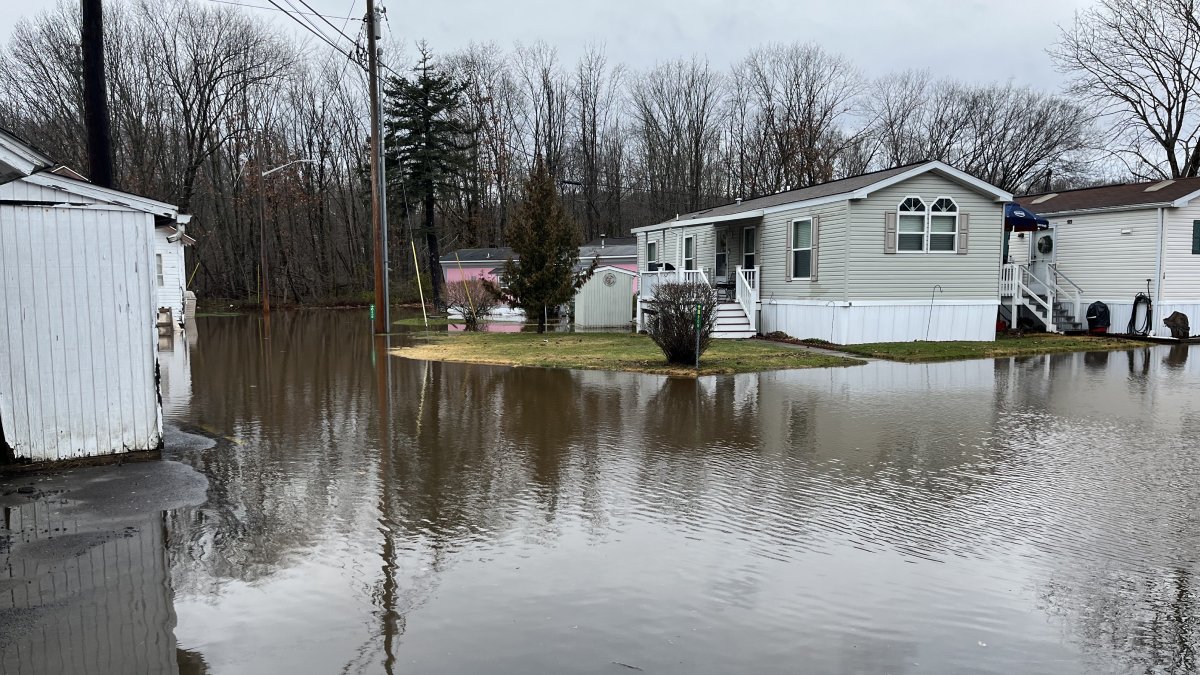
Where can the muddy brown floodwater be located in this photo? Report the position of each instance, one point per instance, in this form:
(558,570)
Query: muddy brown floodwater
(371,514)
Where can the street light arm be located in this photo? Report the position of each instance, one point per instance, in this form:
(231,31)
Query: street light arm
(281,167)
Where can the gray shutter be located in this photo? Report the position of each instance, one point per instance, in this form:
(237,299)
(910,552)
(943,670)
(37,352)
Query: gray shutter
(889,232)
(787,250)
(964,231)
(812,265)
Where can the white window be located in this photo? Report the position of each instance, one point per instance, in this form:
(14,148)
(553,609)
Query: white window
(749,240)
(911,222)
(158,263)
(689,253)
(721,258)
(651,251)
(802,249)
(943,225)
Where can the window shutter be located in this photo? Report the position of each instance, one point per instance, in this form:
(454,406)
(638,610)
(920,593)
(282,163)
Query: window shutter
(1196,237)
(889,232)
(813,257)
(964,231)
(787,250)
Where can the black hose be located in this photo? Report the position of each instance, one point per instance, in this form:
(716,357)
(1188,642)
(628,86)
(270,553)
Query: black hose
(1144,329)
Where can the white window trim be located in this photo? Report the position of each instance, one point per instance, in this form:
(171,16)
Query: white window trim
(792,251)
(929,225)
(683,259)
(924,235)
(158,272)
(651,258)
(754,250)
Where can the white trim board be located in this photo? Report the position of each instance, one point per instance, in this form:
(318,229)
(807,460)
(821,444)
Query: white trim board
(103,194)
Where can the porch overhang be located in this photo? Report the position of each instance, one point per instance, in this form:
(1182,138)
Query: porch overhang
(700,220)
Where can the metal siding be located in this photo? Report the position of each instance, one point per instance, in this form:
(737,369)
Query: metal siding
(171,292)
(1106,264)
(20,190)
(773,254)
(1181,268)
(874,275)
(597,305)
(859,324)
(77,370)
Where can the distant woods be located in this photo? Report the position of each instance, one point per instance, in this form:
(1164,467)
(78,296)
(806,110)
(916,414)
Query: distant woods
(205,97)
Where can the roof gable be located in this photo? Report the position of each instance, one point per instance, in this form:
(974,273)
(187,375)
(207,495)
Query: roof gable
(854,187)
(19,159)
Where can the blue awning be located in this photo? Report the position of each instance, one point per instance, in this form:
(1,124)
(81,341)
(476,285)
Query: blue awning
(1017,218)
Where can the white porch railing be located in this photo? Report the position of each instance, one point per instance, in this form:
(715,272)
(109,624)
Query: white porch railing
(1008,280)
(694,277)
(1068,291)
(648,281)
(746,291)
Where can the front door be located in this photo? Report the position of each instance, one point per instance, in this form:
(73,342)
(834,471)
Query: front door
(749,246)
(720,259)
(1043,246)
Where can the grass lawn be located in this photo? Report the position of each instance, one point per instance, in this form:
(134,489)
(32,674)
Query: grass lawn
(1003,346)
(434,321)
(611,351)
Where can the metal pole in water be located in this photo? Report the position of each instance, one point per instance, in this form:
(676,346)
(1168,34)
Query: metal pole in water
(697,337)
(937,288)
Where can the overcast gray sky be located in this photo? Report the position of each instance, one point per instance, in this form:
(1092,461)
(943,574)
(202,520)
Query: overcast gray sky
(976,40)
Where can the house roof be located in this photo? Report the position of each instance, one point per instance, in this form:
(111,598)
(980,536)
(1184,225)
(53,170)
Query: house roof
(490,256)
(19,158)
(1177,192)
(854,187)
(478,255)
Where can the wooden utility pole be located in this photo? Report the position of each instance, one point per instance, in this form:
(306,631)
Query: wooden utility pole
(378,191)
(95,94)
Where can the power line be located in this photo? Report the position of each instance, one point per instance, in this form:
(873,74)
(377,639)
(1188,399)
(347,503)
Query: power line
(308,28)
(277,9)
(311,24)
(327,21)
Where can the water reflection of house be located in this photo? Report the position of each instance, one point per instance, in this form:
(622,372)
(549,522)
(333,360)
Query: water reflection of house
(175,371)
(108,610)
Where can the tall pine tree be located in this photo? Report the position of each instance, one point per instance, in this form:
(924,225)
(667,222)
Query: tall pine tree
(428,143)
(545,243)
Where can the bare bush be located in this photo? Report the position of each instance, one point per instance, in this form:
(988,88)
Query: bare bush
(473,299)
(672,320)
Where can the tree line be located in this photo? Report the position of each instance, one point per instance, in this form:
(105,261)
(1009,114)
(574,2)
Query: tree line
(205,97)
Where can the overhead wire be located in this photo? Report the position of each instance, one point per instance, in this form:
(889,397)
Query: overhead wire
(276,9)
(310,29)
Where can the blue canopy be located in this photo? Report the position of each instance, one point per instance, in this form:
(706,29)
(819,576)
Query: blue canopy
(1017,218)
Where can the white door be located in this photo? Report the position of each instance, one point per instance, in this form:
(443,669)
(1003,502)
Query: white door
(1043,247)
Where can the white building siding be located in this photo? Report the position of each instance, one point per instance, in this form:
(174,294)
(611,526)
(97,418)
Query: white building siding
(1180,268)
(1104,263)
(170,292)
(77,329)
(884,321)
(19,190)
(831,259)
(874,275)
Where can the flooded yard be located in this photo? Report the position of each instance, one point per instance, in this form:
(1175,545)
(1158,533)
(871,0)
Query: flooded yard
(371,514)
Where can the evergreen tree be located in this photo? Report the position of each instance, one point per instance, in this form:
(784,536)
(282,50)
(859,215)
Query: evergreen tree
(428,144)
(545,241)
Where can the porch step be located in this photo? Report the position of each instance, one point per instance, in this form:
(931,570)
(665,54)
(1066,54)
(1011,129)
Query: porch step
(734,334)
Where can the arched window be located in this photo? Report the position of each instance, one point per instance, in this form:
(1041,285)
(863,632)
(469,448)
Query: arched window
(912,217)
(943,225)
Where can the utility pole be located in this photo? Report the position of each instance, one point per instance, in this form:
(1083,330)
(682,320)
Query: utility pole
(378,190)
(95,94)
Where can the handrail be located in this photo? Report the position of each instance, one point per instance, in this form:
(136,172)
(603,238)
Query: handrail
(1020,280)
(695,277)
(1057,272)
(1008,278)
(746,291)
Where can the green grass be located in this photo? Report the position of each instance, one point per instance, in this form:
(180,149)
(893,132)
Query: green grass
(434,321)
(611,351)
(1004,346)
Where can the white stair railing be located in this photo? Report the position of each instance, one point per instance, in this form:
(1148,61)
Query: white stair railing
(1071,292)
(746,291)
(694,277)
(1008,280)
(1028,297)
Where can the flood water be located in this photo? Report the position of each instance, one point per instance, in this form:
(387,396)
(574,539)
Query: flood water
(371,514)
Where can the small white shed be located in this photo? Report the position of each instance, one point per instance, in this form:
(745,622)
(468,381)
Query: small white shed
(170,273)
(606,300)
(77,306)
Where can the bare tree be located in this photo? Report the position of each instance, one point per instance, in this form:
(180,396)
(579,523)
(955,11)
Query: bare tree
(1138,63)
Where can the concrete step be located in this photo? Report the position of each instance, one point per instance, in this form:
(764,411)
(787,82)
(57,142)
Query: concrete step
(733,334)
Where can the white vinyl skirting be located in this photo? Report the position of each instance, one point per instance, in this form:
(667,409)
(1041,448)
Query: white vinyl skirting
(854,323)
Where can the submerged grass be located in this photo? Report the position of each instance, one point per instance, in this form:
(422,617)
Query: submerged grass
(1002,346)
(611,351)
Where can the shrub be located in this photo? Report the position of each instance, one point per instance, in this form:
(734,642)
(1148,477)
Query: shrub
(473,299)
(671,320)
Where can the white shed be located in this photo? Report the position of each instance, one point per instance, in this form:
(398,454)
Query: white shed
(170,273)
(77,305)
(606,300)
